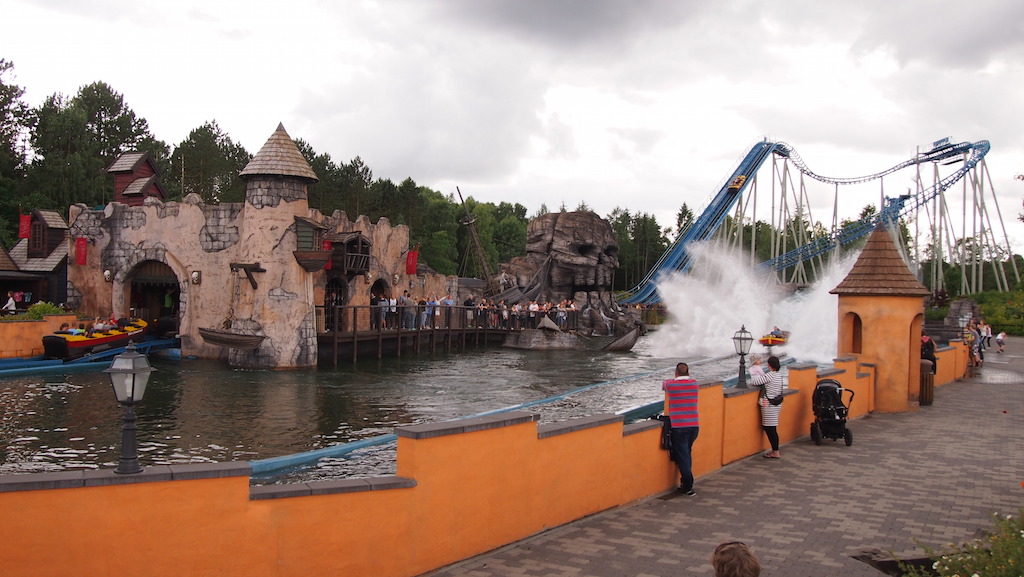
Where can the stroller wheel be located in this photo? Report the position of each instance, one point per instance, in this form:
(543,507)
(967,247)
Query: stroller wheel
(848,437)
(816,433)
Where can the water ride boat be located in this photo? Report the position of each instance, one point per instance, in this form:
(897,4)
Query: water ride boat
(774,338)
(69,345)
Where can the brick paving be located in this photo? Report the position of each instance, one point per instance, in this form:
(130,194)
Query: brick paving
(929,477)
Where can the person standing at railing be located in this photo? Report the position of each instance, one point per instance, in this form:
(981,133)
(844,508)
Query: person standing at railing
(470,304)
(448,303)
(374,311)
(392,313)
(681,395)
(771,383)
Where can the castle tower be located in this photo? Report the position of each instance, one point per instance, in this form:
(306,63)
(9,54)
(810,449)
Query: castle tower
(280,305)
(881,312)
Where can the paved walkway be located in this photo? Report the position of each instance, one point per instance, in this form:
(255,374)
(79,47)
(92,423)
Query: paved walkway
(933,476)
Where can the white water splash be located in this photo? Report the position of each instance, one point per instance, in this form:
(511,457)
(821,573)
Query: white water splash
(722,292)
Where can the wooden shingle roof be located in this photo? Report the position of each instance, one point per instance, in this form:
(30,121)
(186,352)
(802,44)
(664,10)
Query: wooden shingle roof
(880,270)
(6,263)
(139,185)
(127,162)
(19,254)
(279,157)
(51,218)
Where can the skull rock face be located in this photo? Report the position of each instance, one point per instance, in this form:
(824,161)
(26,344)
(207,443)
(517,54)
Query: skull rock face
(583,256)
(585,253)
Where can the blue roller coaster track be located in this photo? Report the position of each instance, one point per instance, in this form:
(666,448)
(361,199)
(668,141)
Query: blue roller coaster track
(677,258)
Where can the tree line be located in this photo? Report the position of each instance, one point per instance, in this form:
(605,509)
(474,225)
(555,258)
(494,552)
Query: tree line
(56,155)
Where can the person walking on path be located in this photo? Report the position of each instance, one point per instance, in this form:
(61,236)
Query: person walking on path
(681,399)
(771,388)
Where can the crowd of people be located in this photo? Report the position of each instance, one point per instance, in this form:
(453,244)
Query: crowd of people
(432,312)
(978,335)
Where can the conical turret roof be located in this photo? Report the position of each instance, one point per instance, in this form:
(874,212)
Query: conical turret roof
(279,157)
(880,270)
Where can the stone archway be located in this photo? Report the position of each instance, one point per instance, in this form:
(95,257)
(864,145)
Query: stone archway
(153,292)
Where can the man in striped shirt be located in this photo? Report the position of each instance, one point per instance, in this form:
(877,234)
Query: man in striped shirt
(681,402)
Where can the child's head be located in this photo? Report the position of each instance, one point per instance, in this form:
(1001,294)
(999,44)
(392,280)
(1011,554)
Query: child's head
(735,559)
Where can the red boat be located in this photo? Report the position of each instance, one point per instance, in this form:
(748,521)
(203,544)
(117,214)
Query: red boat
(772,339)
(68,345)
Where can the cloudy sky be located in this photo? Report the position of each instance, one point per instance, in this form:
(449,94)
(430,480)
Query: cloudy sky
(644,104)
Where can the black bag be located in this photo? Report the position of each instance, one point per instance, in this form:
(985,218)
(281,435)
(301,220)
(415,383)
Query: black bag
(666,432)
(775,401)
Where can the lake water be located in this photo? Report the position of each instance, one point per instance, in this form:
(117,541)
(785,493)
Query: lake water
(203,411)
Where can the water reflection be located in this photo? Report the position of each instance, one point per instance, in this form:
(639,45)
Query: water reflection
(198,411)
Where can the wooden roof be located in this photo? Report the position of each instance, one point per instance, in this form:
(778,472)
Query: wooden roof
(6,263)
(51,218)
(139,185)
(19,254)
(128,161)
(279,157)
(880,270)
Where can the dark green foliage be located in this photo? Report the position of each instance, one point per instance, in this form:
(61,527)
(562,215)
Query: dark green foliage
(207,163)
(14,114)
(75,140)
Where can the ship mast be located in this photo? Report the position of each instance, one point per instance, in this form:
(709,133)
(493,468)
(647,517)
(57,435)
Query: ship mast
(491,287)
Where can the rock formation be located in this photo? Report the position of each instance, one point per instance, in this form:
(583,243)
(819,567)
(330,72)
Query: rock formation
(570,255)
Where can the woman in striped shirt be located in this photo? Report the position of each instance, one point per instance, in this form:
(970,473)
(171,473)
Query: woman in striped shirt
(771,387)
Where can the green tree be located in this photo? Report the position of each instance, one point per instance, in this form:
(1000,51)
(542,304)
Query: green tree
(358,196)
(510,230)
(208,163)
(14,116)
(649,242)
(327,194)
(684,218)
(626,276)
(75,140)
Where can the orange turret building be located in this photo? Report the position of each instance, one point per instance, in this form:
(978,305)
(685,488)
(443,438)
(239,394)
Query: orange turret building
(881,312)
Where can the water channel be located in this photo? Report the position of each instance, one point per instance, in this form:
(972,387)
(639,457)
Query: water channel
(203,411)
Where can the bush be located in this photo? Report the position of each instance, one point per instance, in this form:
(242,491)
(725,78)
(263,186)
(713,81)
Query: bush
(999,554)
(36,311)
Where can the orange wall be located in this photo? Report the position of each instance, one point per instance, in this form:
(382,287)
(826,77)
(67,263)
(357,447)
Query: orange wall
(462,488)
(25,338)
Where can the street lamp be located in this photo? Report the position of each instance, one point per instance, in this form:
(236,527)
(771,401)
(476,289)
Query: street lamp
(129,374)
(742,340)
(963,321)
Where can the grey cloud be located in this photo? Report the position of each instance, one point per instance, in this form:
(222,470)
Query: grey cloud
(946,34)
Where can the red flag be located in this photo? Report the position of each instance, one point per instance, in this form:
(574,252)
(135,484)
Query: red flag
(81,248)
(326,245)
(25,226)
(410,261)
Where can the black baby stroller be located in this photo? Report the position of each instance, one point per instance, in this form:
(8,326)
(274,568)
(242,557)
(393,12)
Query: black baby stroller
(830,412)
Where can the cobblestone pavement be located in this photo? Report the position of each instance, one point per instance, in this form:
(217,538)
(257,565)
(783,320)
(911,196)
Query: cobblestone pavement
(929,477)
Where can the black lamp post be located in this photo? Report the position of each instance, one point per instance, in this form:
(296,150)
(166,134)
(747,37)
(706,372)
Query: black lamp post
(129,374)
(742,340)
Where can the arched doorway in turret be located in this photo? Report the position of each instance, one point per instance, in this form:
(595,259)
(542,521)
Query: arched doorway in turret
(154,295)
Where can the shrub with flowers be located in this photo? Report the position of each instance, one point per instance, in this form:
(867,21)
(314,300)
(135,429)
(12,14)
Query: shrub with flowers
(999,554)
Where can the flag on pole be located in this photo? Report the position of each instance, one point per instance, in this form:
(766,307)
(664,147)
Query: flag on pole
(25,226)
(410,260)
(81,250)
(326,245)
